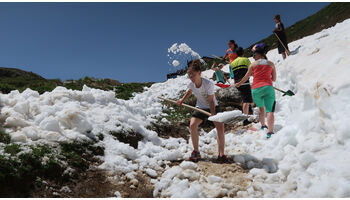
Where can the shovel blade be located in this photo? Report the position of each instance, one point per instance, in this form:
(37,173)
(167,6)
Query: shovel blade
(289,93)
(236,119)
(229,117)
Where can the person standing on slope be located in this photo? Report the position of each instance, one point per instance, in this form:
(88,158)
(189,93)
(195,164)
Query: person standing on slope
(220,78)
(231,53)
(280,32)
(264,73)
(203,89)
(239,68)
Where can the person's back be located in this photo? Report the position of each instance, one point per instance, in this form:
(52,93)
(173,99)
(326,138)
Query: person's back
(262,74)
(239,68)
(219,76)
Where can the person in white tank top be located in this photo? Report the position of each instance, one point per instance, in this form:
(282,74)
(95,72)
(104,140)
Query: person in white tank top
(203,89)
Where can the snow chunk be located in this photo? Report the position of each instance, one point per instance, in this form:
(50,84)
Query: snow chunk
(176,63)
(225,116)
(188,165)
(214,179)
(151,173)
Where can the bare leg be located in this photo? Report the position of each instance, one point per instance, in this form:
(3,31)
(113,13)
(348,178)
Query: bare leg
(245,108)
(221,137)
(195,122)
(270,121)
(262,116)
(284,55)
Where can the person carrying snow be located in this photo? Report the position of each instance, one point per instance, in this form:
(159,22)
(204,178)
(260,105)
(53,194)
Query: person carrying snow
(264,73)
(231,53)
(203,90)
(220,78)
(280,32)
(239,68)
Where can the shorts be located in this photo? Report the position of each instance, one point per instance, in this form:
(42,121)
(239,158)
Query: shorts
(280,47)
(265,96)
(202,116)
(246,93)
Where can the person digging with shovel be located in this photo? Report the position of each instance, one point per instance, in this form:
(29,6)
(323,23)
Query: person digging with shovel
(203,90)
(281,36)
(264,73)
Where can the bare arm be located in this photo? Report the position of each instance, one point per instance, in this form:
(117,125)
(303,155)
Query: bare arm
(247,75)
(212,104)
(187,94)
(213,67)
(273,75)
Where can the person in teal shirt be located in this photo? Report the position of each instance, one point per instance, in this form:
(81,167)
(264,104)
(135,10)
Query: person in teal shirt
(220,78)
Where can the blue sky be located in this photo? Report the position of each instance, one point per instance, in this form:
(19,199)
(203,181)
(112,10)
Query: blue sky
(129,41)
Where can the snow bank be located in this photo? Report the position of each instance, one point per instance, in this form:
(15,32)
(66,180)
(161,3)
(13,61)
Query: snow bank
(311,144)
(309,156)
(64,114)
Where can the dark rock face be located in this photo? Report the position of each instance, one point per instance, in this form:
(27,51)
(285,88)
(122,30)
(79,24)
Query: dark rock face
(229,97)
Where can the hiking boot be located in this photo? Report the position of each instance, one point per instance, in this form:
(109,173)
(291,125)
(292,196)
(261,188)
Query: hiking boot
(269,134)
(262,127)
(222,159)
(195,156)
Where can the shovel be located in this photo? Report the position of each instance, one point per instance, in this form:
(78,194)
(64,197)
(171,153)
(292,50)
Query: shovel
(288,52)
(224,117)
(289,92)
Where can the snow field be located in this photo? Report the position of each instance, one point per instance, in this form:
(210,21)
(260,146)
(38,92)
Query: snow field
(307,157)
(309,154)
(312,148)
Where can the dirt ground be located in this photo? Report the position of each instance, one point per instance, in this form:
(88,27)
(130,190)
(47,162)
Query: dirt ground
(97,184)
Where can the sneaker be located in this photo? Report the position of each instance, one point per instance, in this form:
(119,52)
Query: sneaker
(222,159)
(269,134)
(262,128)
(195,156)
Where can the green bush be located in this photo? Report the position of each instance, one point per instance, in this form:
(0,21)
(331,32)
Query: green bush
(19,172)
(125,90)
(4,137)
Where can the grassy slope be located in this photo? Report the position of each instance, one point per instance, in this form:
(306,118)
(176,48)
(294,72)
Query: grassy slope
(325,18)
(16,79)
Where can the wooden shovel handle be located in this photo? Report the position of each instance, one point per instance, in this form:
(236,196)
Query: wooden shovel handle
(288,52)
(217,57)
(188,106)
(279,90)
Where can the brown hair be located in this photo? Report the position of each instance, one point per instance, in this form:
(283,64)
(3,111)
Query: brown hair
(195,66)
(278,17)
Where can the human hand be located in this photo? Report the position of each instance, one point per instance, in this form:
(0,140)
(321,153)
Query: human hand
(179,102)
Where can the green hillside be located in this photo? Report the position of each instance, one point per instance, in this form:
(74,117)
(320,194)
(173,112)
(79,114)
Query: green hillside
(325,18)
(16,79)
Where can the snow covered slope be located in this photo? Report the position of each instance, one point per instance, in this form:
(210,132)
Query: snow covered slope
(312,149)
(307,157)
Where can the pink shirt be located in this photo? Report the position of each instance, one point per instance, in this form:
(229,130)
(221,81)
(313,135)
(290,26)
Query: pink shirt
(262,74)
